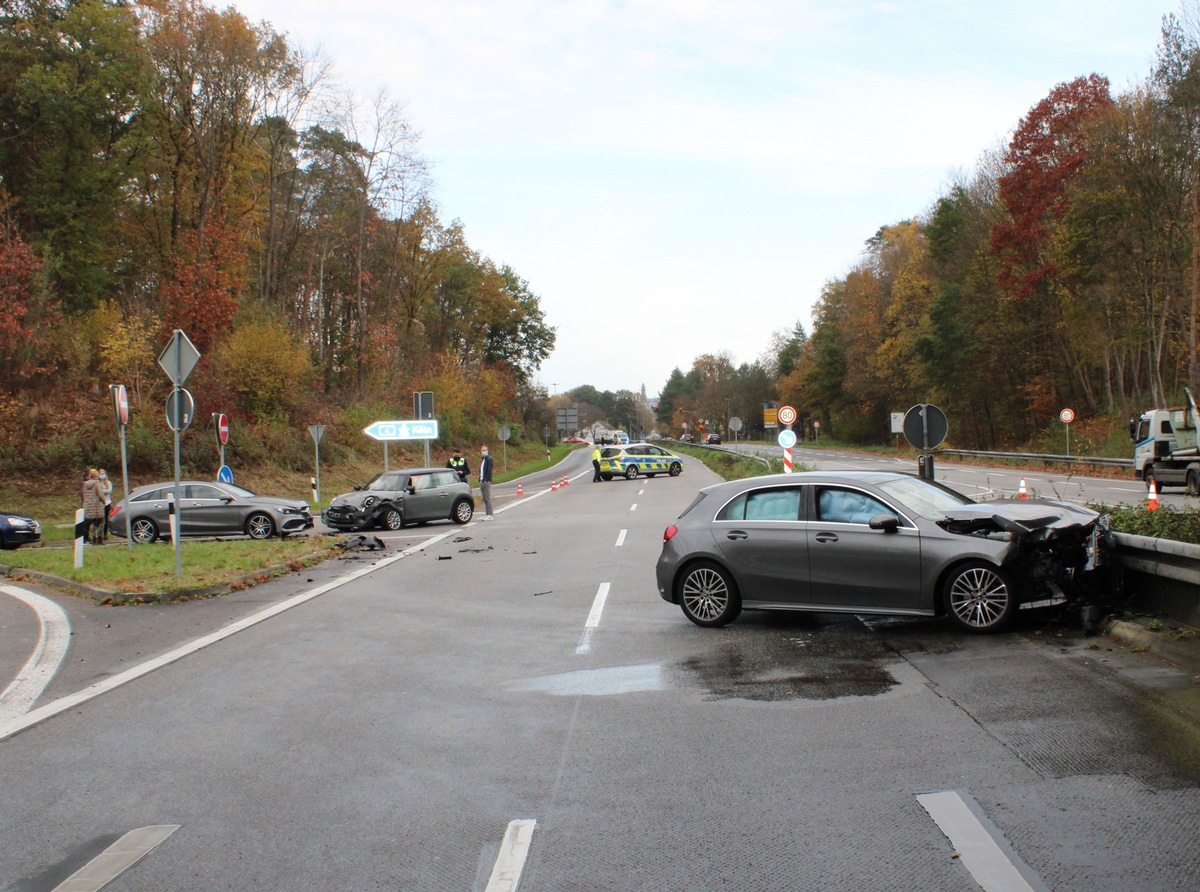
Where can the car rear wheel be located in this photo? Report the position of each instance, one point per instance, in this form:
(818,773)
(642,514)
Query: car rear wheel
(463,511)
(1193,483)
(676,468)
(393,519)
(260,526)
(606,476)
(631,472)
(979,598)
(708,596)
(145,530)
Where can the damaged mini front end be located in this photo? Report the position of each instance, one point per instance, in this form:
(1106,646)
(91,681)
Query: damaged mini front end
(1058,554)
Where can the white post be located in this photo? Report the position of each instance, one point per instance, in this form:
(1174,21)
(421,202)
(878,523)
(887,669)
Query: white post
(80,532)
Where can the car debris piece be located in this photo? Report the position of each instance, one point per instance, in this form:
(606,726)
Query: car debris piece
(370,543)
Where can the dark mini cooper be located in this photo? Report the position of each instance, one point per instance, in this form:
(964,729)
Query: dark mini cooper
(875,542)
(393,499)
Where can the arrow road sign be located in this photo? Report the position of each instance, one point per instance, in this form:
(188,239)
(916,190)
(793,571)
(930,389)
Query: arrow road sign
(402,430)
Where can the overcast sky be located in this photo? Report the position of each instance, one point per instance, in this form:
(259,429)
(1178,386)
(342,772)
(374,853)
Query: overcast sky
(680,177)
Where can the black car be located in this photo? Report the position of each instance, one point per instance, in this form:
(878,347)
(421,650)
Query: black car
(17,530)
(394,499)
(713,439)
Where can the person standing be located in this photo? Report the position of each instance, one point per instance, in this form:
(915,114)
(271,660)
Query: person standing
(596,478)
(106,494)
(93,507)
(485,482)
(459,465)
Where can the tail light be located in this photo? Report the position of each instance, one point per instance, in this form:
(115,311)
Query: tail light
(669,532)
(115,511)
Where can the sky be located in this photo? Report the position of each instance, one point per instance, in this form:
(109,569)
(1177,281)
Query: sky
(676,178)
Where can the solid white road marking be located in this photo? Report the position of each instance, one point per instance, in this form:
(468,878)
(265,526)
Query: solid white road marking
(506,872)
(994,868)
(54,635)
(621,538)
(12,726)
(117,858)
(633,507)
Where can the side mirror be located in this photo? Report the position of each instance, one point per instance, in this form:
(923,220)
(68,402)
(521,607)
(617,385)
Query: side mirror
(357,487)
(886,522)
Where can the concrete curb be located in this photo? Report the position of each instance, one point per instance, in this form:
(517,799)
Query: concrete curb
(1181,649)
(105,596)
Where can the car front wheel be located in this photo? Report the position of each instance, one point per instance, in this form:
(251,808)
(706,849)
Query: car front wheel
(260,526)
(708,596)
(1193,483)
(463,511)
(145,531)
(979,598)
(393,519)
(676,469)
(631,472)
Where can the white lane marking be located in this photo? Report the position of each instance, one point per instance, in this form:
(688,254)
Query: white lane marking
(117,858)
(54,635)
(48,710)
(994,868)
(633,507)
(641,491)
(621,538)
(593,620)
(506,872)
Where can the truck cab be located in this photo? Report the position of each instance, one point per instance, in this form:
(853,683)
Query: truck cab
(1165,447)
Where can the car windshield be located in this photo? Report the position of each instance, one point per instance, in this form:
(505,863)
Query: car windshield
(386,483)
(929,500)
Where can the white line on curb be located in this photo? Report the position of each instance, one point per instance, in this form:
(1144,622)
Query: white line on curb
(993,868)
(117,858)
(54,635)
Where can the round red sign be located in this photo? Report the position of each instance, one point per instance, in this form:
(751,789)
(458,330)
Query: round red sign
(223,428)
(787,415)
(121,403)
(1066,416)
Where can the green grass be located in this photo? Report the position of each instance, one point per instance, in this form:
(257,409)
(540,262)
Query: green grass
(732,466)
(151,568)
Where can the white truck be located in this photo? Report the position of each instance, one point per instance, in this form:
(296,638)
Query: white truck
(1166,449)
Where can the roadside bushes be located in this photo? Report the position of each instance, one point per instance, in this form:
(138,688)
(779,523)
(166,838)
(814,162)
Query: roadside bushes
(1168,522)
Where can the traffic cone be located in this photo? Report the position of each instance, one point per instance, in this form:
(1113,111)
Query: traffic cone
(565,481)
(520,492)
(1022,493)
(554,486)
(1152,498)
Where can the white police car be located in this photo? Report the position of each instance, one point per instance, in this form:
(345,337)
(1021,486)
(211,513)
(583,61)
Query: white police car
(638,458)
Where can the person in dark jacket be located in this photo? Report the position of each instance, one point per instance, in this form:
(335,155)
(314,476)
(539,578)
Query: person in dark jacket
(485,481)
(459,465)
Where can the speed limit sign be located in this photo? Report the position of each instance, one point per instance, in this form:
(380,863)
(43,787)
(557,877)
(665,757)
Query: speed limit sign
(787,415)
(1066,416)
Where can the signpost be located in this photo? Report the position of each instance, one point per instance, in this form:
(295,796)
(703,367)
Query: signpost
(221,426)
(735,425)
(423,411)
(504,433)
(386,431)
(925,428)
(1066,416)
(787,436)
(120,398)
(178,359)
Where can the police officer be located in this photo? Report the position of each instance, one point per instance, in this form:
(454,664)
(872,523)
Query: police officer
(596,465)
(459,465)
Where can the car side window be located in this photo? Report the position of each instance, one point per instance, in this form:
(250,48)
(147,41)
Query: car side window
(420,482)
(764,504)
(202,491)
(153,496)
(444,478)
(848,506)
(610,453)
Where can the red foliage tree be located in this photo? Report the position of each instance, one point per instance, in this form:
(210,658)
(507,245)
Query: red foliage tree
(201,295)
(19,269)
(1047,150)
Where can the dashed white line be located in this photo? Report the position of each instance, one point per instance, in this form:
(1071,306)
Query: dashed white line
(621,538)
(54,634)
(514,849)
(982,854)
(117,858)
(593,620)
(633,507)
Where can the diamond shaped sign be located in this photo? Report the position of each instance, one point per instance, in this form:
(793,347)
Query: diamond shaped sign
(179,357)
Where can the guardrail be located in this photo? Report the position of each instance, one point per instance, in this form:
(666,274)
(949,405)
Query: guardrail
(1033,456)
(1173,568)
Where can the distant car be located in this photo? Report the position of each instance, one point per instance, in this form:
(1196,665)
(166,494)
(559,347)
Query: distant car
(207,509)
(17,530)
(575,440)
(394,499)
(687,438)
(876,542)
(713,439)
(638,458)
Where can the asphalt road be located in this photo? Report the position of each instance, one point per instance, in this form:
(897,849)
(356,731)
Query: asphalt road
(513,696)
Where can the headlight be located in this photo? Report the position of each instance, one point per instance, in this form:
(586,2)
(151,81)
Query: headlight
(18,522)
(369,501)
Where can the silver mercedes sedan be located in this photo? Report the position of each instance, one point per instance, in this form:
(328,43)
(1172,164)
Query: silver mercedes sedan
(207,509)
(873,542)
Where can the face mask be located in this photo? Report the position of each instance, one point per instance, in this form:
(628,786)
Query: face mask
(103,476)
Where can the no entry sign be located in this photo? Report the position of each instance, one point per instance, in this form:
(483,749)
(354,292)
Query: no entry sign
(221,422)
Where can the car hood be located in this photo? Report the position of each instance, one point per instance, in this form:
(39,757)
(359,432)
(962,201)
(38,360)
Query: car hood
(1044,518)
(356,499)
(264,501)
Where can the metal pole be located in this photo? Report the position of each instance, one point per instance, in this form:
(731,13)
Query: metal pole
(317,490)
(385,456)
(177,532)
(125,484)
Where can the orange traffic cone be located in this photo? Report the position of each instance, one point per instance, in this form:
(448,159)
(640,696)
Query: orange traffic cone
(554,486)
(565,481)
(1022,493)
(1152,498)
(520,492)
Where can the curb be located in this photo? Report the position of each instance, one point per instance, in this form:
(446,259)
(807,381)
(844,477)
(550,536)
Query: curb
(1182,650)
(105,596)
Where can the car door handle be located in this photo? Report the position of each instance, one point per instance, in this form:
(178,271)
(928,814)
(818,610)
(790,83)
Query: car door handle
(826,537)
(737,534)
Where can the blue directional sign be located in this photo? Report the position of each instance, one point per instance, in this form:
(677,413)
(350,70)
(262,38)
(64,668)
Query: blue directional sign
(225,474)
(402,430)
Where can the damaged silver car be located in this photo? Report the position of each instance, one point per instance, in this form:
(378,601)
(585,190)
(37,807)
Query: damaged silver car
(874,542)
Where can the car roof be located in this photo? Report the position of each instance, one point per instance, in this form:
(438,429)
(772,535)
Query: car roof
(873,478)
